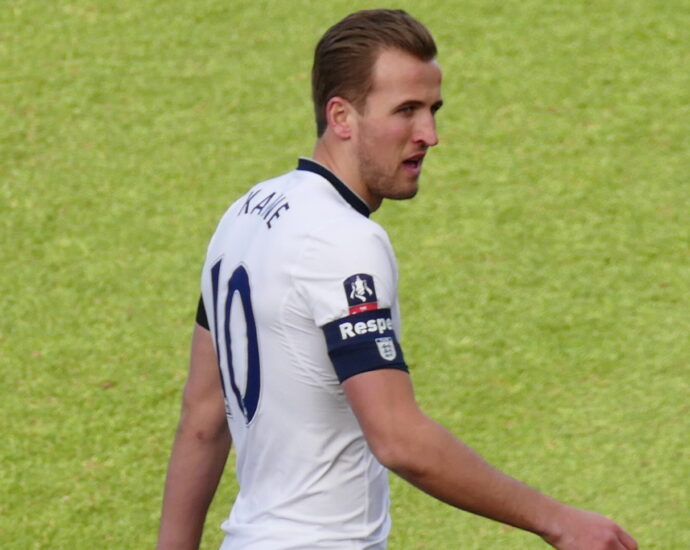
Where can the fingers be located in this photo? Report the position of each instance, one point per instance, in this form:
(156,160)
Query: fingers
(627,541)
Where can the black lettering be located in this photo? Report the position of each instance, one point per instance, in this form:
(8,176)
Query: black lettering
(250,196)
(271,207)
(259,207)
(276,214)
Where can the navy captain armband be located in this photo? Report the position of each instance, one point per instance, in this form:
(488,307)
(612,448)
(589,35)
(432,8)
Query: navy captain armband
(363,342)
(201,318)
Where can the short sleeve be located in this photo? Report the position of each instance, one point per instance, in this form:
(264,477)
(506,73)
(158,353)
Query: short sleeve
(347,277)
(201,318)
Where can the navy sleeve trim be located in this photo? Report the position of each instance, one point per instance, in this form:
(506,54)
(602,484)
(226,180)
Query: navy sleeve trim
(201,318)
(363,342)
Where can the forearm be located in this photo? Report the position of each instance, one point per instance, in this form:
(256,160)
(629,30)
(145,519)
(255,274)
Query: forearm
(427,455)
(449,470)
(196,465)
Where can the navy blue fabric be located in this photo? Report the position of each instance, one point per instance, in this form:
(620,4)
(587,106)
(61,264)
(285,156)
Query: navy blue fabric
(345,192)
(363,342)
(201,318)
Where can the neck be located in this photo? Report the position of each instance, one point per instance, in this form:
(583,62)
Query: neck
(343,164)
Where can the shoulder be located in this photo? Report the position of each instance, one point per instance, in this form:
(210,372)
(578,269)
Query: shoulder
(348,234)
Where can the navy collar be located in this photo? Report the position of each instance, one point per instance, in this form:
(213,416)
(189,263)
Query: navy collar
(345,192)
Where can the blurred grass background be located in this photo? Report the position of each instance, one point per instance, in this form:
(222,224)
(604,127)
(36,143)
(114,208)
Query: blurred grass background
(545,264)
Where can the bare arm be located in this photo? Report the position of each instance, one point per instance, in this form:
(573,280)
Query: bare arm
(199,452)
(428,456)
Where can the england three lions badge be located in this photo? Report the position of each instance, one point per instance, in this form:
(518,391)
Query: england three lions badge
(361,293)
(386,348)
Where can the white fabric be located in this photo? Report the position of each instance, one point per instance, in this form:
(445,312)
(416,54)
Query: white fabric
(307,477)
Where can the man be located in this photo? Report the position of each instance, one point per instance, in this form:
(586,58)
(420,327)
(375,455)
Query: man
(300,317)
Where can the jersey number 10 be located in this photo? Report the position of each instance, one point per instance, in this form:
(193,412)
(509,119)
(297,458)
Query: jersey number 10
(238,284)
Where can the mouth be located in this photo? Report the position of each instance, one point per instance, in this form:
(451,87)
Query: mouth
(413,164)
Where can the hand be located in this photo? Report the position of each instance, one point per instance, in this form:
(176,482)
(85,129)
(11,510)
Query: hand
(582,530)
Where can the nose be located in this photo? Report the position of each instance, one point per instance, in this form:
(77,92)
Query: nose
(426,131)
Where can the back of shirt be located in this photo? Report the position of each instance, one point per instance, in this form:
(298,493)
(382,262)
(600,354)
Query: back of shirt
(295,281)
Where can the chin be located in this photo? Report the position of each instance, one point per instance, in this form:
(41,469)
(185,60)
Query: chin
(402,195)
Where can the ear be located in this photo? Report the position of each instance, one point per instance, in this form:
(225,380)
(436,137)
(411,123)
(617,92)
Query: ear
(339,117)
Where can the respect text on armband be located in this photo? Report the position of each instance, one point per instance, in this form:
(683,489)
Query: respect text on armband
(379,325)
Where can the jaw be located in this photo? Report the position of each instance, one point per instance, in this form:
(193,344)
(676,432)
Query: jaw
(404,184)
(397,180)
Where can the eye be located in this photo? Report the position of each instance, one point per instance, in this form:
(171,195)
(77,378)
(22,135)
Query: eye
(406,109)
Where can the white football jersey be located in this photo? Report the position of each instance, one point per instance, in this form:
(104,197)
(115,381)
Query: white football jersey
(300,291)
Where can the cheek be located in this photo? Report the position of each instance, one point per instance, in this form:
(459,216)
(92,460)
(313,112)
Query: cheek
(399,133)
(389,129)
(391,137)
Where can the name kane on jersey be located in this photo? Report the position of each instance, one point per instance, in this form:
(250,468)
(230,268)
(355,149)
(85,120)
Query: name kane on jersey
(268,207)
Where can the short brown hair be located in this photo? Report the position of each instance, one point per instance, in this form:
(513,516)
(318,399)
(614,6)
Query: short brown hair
(345,55)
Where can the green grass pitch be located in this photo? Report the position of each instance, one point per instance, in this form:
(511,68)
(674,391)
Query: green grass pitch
(545,264)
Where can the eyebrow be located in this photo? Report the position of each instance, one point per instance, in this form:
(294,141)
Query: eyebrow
(415,103)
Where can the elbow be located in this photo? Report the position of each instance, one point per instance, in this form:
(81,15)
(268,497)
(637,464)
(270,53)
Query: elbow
(204,433)
(205,422)
(407,446)
(400,457)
